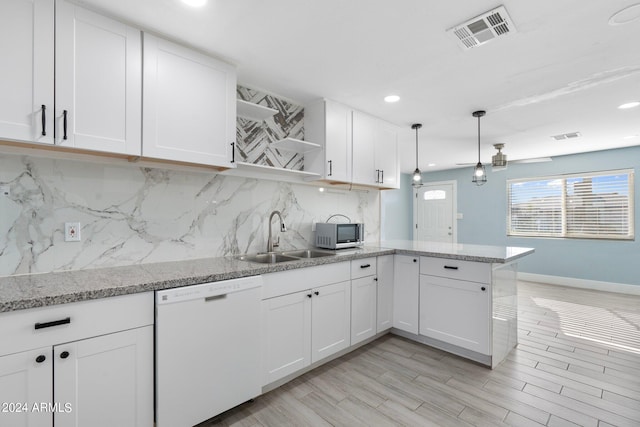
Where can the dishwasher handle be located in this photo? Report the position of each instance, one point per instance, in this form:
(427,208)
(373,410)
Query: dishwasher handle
(215,297)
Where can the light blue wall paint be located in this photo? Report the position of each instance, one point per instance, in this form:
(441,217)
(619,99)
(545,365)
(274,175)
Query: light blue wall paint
(396,211)
(485,212)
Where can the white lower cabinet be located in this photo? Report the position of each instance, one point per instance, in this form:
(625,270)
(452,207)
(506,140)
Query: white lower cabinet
(302,327)
(406,288)
(363,308)
(455,312)
(384,301)
(79,364)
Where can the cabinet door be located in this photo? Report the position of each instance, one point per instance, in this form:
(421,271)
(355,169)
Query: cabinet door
(107,380)
(286,335)
(363,308)
(405,293)
(189,105)
(330,320)
(364,137)
(385,293)
(386,155)
(455,311)
(26,77)
(26,379)
(338,142)
(98,82)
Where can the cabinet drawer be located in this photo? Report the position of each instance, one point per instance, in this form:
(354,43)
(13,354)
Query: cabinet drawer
(288,282)
(70,322)
(455,269)
(363,267)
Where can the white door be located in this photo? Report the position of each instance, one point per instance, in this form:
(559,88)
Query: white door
(385,293)
(98,82)
(434,211)
(386,152)
(189,105)
(364,139)
(455,311)
(26,76)
(286,335)
(330,320)
(406,287)
(26,379)
(338,142)
(107,380)
(363,308)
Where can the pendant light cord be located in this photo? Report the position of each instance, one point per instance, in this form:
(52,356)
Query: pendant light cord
(417,147)
(479,138)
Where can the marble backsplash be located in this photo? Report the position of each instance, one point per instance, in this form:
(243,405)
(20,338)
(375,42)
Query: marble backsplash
(132,215)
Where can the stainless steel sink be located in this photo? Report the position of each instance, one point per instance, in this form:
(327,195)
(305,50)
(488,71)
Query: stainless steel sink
(277,257)
(308,253)
(267,258)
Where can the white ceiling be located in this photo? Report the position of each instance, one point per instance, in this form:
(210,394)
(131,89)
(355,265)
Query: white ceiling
(564,70)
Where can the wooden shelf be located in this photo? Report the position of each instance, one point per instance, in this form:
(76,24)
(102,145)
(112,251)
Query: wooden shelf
(295,145)
(255,112)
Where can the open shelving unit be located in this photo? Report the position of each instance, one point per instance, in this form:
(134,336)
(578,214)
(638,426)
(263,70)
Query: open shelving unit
(295,145)
(254,112)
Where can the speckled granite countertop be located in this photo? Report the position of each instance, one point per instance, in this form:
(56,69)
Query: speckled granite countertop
(38,290)
(461,251)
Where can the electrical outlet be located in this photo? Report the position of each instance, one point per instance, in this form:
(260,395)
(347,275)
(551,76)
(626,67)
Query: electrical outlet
(71,231)
(5,190)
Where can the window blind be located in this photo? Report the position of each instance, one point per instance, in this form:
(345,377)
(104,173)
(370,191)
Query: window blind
(595,205)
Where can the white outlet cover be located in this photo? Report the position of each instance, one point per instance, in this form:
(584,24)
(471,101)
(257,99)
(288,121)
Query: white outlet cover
(71,231)
(5,190)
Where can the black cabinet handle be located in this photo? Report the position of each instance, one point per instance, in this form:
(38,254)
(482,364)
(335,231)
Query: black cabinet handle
(415,260)
(483,288)
(64,124)
(54,323)
(377,175)
(375,279)
(365,266)
(64,355)
(309,295)
(44,120)
(330,168)
(41,358)
(317,293)
(233,152)
(382,179)
(449,267)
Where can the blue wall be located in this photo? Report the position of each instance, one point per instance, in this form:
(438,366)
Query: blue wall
(396,211)
(485,213)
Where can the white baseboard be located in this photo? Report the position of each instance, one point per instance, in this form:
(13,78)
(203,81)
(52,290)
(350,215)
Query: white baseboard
(596,285)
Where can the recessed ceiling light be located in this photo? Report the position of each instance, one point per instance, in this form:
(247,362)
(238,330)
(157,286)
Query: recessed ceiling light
(431,165)
(392,98)
(629,105)
(195,3)
(626,15)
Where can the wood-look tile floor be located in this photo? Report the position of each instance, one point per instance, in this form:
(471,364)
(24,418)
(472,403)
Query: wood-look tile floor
(577,364)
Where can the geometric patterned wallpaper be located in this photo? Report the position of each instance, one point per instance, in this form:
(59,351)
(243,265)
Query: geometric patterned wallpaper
(254,139)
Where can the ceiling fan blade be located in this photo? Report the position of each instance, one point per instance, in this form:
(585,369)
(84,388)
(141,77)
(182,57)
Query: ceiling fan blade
(533,160)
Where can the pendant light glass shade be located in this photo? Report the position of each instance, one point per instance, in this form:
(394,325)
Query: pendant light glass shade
(417,175)
(479,173)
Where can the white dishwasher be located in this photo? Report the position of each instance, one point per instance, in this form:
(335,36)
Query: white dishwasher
(207,350)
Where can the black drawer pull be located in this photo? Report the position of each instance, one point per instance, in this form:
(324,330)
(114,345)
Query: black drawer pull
(309,295)
(450,267)
(415,260)
(64,355)
(41,358)
(233,152)
(365,266)
(483,288)
(54,323)
(330,167)
(64,124)
(317,293)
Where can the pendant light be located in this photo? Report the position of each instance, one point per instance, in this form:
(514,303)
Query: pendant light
(479,174)
(417,175)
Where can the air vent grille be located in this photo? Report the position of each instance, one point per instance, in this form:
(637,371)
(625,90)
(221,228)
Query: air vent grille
(570,135)
(483,28)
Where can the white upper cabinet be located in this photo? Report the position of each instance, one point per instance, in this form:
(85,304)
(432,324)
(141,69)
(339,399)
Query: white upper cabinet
(26,77)
(386,155)
(329,124)
(364,136)
(98,82)
(189,105)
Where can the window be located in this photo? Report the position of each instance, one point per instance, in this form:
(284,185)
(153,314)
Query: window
(589,206)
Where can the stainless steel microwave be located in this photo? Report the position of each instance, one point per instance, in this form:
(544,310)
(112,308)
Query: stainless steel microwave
(339,236)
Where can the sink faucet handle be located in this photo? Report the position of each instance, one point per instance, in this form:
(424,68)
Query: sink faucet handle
(276,243)
(283,227)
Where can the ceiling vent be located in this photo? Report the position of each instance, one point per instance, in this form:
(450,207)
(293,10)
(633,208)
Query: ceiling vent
(483,28)
(564,136)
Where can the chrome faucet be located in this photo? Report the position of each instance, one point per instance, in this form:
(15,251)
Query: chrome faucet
(282,228)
